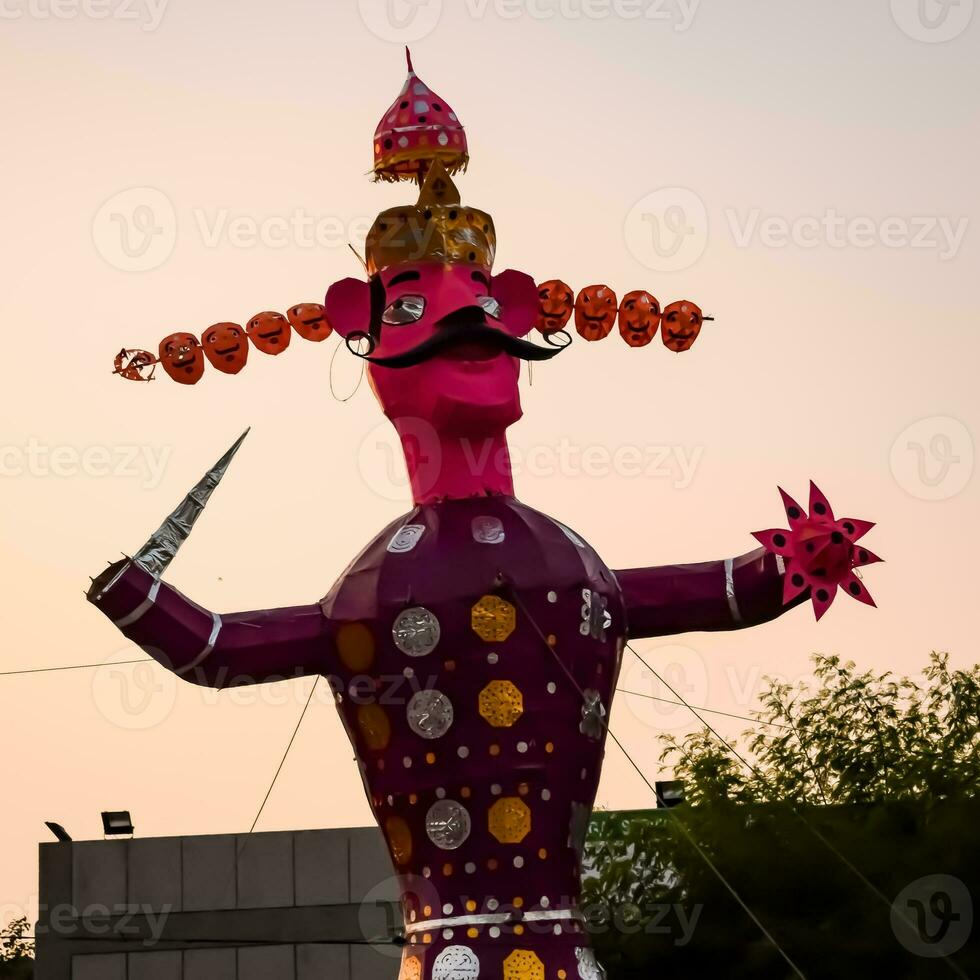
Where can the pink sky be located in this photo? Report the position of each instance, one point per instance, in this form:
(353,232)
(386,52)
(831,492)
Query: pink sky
(825,158)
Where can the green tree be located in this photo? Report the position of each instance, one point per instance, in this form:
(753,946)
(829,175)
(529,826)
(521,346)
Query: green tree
(849,790)
(16,951)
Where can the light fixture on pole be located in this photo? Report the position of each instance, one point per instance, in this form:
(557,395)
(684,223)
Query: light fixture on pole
(58,831)
(670,792)
(117,823)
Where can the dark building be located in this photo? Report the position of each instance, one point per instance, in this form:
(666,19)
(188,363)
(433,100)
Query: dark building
(295,905)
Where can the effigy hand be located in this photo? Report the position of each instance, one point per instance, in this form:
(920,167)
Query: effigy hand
(821,552)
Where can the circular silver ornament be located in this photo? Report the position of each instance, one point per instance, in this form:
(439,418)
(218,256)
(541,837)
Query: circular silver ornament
(456,963)
(448,824)
(416,631)
(430,714)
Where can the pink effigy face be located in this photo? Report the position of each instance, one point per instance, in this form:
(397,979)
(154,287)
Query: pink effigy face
(446,341)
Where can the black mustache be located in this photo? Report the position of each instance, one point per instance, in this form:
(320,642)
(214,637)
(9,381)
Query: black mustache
(449,336)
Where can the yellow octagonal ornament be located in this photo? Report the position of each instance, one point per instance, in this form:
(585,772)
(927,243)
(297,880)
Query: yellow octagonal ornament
(510,820)
(493,619)
(523,964)
(501,703)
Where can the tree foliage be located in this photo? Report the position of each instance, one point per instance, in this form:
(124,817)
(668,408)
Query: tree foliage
(849,789)
(16,951)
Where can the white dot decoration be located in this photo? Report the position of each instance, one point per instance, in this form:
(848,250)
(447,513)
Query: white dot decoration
(546,795)
(493,904)
(552,596)
(407,762)
(492,658)
(440,793)
(447,909)
(552,687)
(447,934)
(470,868)
(463,752)
(496,789)
(495,932)
(545,902)
(522,747)
(518,862)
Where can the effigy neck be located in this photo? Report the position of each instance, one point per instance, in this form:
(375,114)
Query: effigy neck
(450,466)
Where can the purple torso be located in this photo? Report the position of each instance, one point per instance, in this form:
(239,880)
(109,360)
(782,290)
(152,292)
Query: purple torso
(478,645)
(474,647)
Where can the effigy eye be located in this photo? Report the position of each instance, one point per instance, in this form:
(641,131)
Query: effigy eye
(490,306)
(405,309)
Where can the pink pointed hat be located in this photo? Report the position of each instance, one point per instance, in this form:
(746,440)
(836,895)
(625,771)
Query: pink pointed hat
(418,128)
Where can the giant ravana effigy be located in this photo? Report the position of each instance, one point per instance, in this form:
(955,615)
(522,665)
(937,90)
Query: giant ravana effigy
(506,625)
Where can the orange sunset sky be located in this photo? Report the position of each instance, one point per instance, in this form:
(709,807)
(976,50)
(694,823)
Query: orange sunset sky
(804,171)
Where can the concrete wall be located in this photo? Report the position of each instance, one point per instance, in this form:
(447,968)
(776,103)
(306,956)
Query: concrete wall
(274,906)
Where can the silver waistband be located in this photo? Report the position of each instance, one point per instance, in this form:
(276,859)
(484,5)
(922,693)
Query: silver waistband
(493,919)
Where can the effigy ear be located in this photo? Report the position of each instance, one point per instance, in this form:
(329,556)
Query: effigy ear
(517,295)
(348,306)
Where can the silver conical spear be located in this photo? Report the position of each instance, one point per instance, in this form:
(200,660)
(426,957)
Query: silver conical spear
(159,551)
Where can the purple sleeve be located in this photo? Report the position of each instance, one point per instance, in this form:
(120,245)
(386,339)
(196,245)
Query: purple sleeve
(711,595)
(207,648)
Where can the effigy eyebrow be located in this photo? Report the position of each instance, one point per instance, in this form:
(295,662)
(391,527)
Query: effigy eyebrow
(407,276)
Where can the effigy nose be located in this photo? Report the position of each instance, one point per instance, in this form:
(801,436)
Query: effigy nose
(463,318)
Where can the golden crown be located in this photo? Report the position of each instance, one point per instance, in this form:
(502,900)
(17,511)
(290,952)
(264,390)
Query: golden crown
(436,228)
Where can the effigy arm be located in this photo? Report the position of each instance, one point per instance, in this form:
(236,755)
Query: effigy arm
(712,595)
(206,648)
